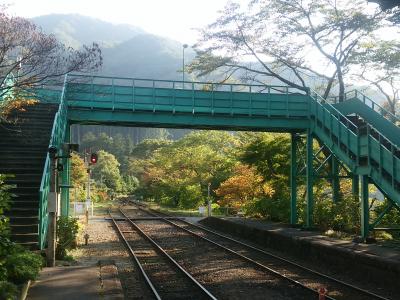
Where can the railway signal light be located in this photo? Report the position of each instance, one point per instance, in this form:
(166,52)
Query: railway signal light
(93,158)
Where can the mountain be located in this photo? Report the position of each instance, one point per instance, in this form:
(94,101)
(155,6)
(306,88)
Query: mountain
(75,30)
(144,56)
(128,51)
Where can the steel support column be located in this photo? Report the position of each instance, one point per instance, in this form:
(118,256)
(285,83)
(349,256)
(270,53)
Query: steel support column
(65,176)
(309,174)
(356,186)
(335,180)
(293,177)
(364,207)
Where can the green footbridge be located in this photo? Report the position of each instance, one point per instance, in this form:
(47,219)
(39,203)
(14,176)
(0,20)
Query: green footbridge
(356,135)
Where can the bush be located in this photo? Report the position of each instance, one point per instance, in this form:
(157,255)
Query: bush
(23,265)
(67,230)
(8,290)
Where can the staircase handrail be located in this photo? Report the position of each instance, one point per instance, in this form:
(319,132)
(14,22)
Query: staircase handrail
(390,146)
(56,138)
(319,99)
(8,77)
(372,104)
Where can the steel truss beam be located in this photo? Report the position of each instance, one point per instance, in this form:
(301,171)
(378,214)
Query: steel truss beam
(312,165)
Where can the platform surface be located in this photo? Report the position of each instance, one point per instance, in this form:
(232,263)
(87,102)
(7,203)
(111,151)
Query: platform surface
(377,251)
(62,283)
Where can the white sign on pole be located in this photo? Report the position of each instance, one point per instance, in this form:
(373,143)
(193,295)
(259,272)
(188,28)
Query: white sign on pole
(79,207)
(202,210)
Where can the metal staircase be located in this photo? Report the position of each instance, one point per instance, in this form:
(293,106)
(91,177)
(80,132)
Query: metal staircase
(23,148)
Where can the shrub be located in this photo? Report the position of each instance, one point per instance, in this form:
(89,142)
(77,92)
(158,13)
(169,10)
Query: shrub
(67,230)
(8,290)
(23,265)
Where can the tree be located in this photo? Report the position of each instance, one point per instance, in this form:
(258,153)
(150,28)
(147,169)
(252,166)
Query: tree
(380,67)
(289,41)
(244,186)
(33,58)
(78,171)
(106,171)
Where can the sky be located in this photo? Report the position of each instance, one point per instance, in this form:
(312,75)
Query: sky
(170,18)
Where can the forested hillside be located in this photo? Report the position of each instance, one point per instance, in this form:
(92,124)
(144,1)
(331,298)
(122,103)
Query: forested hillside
(128,51)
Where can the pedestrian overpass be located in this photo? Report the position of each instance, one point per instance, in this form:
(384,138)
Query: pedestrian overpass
(357,134)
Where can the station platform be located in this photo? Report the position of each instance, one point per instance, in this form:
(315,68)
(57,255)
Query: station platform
(372,262)
(77,283)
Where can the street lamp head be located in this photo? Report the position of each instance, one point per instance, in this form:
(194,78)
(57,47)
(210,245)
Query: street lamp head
(185,46)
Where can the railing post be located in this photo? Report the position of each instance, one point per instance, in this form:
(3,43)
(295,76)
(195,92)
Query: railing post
(394,165)
(133,95)
(113,94)
(287,101)
(154,97)
(212,98)
(293,177)
(364,207)
(251,102)
(92,96)
(309,174)
(66,176)
(52,209)
(335,179)
(269,102)
(380,153)
(231,99)
(193,98)
(173,97)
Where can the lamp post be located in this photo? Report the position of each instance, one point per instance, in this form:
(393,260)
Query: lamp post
(184,46)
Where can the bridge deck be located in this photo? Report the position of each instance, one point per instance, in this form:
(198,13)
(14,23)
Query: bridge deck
(195,105)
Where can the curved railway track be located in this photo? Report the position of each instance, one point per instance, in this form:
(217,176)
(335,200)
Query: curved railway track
(300,276)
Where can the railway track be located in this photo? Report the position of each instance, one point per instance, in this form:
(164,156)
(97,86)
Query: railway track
(165,278)
(290,271)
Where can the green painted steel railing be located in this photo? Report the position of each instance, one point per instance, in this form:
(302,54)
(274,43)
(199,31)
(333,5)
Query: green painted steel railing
(56,139)
(365,151)
(356,94)
(98,92)
(5,90)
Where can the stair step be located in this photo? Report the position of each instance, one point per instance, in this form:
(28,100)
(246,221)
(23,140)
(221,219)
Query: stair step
(19,170)
(24,238)
(26,178)
(24,220)
(29,182)
(34,205)
(21,212)
(24,228)
(22,161)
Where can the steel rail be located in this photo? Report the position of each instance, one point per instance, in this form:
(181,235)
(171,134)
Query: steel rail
(338,281)
(257,264)
(327,277)
(161,250)
(139,265)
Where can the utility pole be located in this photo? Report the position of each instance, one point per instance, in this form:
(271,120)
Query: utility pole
(209,199)
(52,208)
(184,46)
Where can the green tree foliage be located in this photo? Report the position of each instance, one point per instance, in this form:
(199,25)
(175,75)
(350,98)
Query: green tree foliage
(78,170)
(178,174)
(380,63)
(17,264)
(283,40)
(106,171)
(5,200)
